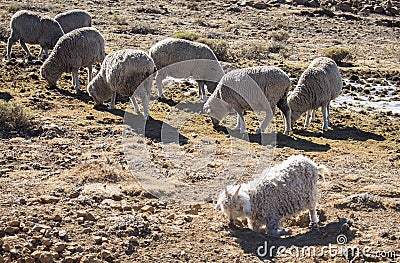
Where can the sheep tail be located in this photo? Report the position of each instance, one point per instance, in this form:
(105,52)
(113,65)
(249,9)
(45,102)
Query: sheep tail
(323,170)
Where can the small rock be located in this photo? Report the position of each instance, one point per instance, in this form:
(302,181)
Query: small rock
(46,257)
(33,75)
(11,229)
(69,259)
(57,217)
(14,223)
(171,216)
(86,215)
(36,254)
(48,199)
(59,247)
(89,117)
(63,235)
(147,208)
(379,9)
(105,254)
(28,260)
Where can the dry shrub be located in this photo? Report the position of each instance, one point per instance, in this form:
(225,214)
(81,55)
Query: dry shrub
(219,46)
(186,35)
(279,35)
(14,117)
(337,53)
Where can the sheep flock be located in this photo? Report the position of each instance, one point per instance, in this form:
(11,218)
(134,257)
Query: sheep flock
(282,191)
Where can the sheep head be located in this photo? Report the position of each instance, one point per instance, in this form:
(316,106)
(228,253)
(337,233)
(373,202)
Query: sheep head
(216,108)
(99,90)
(50,73)
(234,202)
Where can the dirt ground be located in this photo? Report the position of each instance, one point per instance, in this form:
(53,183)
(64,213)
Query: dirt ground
(68,186)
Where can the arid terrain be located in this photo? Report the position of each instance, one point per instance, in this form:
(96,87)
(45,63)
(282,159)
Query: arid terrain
(68,180)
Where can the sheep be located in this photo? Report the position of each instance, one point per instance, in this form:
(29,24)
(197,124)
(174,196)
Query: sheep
(283,190)
(182,58)
(255,88)
(73,19)
(320,83)
(32,28)
(122,72)
(81,47)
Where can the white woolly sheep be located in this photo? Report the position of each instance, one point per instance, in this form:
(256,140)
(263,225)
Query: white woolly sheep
(284,190)
(256,88)
(32,28)
(182,58)
(81,47)
(318,85)
(73,19)
(123,72)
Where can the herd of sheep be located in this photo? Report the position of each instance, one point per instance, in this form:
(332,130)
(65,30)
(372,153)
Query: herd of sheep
(284,190)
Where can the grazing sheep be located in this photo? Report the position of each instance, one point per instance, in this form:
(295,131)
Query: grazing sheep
(256,88)
(318,85)
(74,19)
(32,28)
(81,47)
(284,190)
(123,72)
(182,58)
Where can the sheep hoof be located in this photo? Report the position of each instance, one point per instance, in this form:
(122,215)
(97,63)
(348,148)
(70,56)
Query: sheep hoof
(258,131)
(313,225)
(288,132)
(281,232)
(111,107)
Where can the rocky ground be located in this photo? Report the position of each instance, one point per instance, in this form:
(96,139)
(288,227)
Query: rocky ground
(68,192)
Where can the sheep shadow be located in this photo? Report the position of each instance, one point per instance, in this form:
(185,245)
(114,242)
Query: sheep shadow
(5,96)
(277,139)
(340,132)
(169,102)
(313,241)
(155,130)
(80,95)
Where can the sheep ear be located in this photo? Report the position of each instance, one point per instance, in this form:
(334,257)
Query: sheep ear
(237,191)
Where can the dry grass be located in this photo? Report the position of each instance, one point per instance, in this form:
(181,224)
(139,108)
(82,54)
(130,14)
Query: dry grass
(14,117)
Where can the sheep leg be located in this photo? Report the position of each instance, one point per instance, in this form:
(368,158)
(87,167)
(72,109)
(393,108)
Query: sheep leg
(112,101)
(28,53)
(10,42)
(328,114)
(325,117)
(287,115)
(145,102)
(75,79)
(90,73)
(135,104)
(308,118)
(240,122)
(202,92)
(40,54)
(313,115)
(159,79)
(46,52)
(275,231)
(268,118)
(313,218)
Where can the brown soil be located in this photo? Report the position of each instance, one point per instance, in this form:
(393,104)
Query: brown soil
(68,195)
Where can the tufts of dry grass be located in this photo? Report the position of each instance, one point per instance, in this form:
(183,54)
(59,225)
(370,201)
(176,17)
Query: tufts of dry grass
(14,117)
(337,53)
